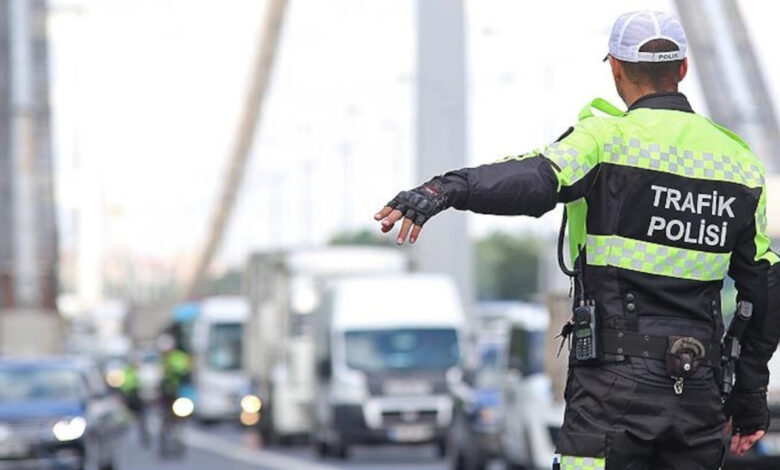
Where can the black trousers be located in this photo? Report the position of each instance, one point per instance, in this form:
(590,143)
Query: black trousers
(628,414)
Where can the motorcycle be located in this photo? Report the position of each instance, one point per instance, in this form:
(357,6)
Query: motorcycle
(176,409)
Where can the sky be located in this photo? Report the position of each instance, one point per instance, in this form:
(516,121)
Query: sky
(147,93)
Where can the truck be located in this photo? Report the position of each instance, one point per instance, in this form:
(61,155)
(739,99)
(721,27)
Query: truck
(218,376)
(283,289)
(384,348)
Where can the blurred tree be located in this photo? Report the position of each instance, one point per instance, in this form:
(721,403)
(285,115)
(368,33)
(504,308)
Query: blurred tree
(360,237)
(507,267)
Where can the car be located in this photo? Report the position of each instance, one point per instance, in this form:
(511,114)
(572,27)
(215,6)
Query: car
(473,437)
(530,415)
(58,413)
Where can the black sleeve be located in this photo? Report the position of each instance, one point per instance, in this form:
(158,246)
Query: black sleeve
(756,273)
(525,186)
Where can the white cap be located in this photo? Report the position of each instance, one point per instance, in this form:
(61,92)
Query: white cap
(633,30)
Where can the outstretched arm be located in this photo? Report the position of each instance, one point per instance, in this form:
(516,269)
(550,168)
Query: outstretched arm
(531,184)
(526,186)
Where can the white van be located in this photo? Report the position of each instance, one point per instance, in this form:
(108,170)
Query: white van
(218,375)
(384,346)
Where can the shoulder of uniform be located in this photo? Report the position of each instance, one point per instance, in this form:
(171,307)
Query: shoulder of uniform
(731,134)
(606,108)
(749,159)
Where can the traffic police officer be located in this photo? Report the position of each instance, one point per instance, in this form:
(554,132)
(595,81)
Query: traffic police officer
(662,205)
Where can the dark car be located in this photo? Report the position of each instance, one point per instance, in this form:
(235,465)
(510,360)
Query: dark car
(58,414)
(474,434)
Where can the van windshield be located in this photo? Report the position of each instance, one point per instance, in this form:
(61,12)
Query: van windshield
(402,349)
(224,350)
(526,351)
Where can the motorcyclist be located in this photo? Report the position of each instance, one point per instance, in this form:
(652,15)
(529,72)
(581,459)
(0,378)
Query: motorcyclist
(176,369)
(131,393)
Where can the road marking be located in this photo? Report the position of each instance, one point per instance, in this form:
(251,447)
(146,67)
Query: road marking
(264,459)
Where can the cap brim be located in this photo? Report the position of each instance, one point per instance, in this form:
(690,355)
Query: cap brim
(606,57)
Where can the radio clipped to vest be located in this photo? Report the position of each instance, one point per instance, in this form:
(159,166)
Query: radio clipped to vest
(585,328)
(584,324)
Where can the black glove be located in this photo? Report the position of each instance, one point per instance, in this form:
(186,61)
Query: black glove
(422,202)
(748,411)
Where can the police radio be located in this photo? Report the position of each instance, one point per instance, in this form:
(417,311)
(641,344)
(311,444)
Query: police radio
(584,325)
(584,329)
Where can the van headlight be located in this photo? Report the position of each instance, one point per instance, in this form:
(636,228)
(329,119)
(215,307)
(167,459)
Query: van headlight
(349,386)
(251,404)
(183,407)
(69,429)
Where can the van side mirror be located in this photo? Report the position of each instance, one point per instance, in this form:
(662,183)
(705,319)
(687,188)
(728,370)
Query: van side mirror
(324,369)
(469,377)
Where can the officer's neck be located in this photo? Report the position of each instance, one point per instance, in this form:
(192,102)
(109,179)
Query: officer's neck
(632,93)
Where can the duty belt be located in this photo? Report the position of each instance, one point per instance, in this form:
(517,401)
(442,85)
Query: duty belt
(633,344)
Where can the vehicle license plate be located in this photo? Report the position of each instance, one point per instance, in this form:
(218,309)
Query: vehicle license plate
(412,433)
(406,387)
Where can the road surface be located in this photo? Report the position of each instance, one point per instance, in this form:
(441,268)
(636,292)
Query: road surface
(230,448)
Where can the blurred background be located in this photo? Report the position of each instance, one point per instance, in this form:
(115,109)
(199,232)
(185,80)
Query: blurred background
(190,272)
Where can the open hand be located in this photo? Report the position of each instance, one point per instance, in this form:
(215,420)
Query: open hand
(415,207)
(389,216)
(749,418)
(742,443)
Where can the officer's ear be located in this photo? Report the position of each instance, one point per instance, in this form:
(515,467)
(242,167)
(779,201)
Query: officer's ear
(683,70)
(617,71)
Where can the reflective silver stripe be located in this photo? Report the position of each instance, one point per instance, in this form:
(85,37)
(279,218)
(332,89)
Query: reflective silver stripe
(565,156)
(569,462)
(688,163)
(652,258)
